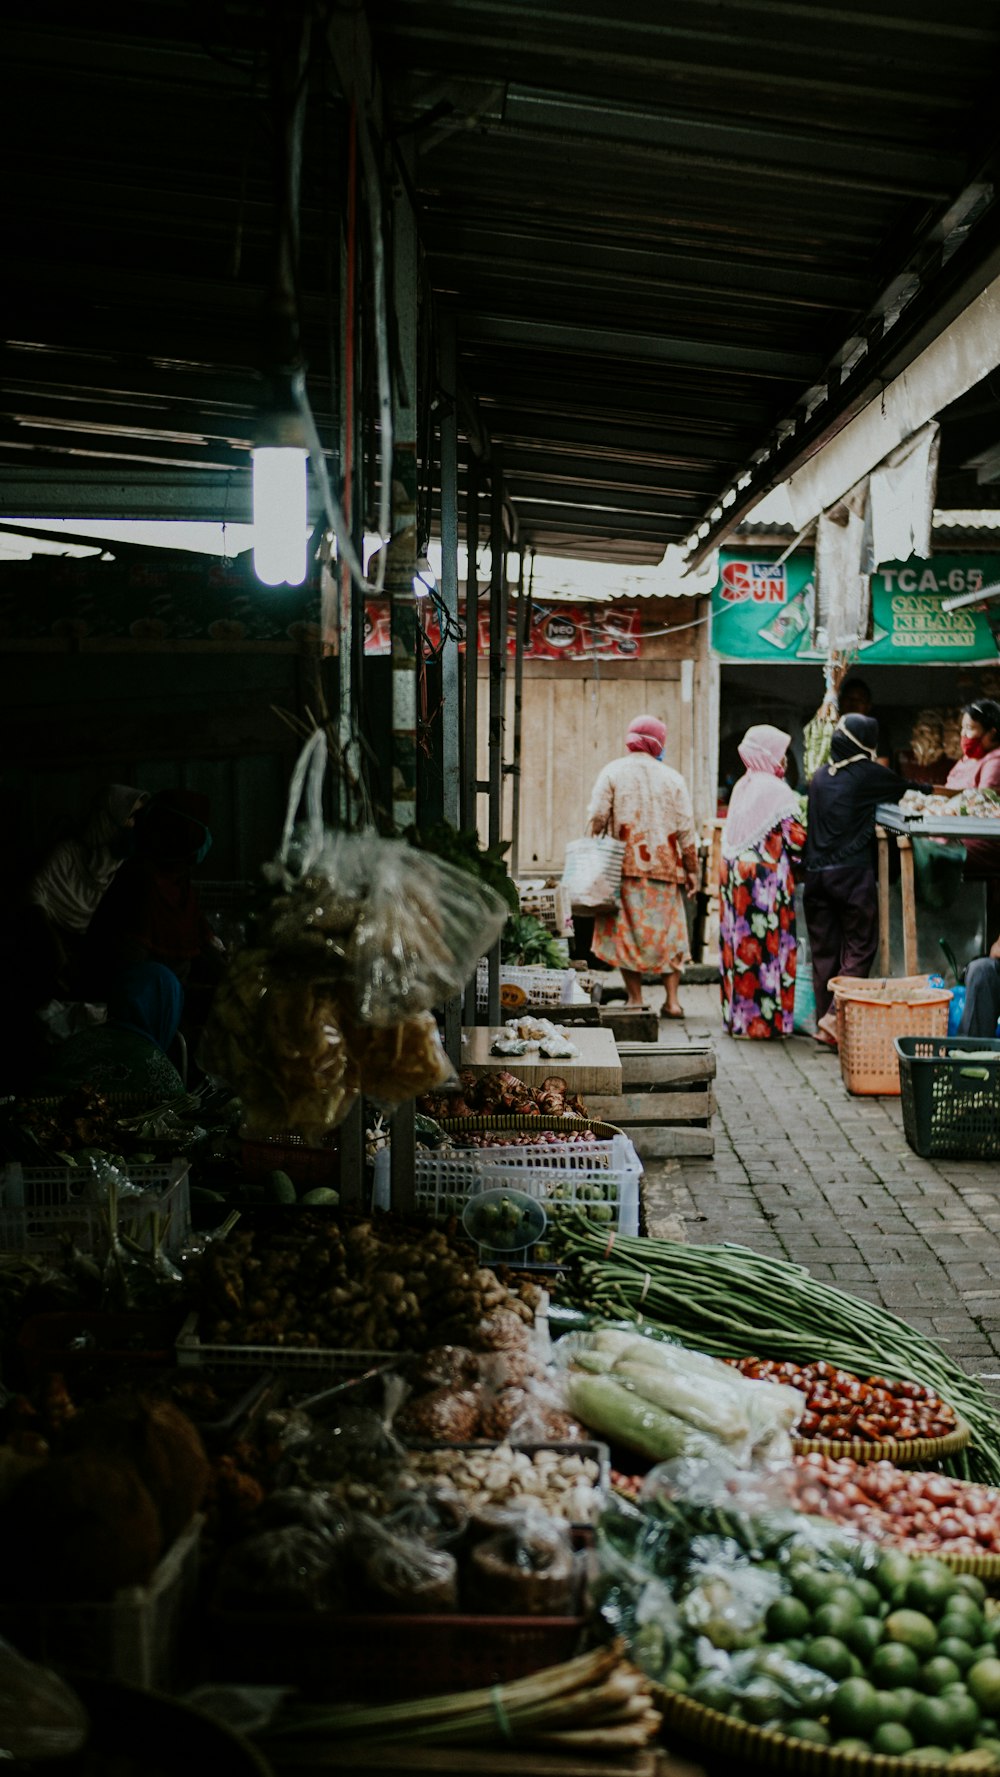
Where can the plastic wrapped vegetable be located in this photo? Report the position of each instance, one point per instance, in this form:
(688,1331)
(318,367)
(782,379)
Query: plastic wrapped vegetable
(400,929)
(40,1717)
(614,1407)
(702,1398)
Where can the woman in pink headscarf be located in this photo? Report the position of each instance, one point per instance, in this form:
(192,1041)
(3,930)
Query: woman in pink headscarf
(761,841)
(640,800)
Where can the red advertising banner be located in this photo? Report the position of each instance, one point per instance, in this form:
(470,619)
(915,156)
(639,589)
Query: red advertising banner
(572,632)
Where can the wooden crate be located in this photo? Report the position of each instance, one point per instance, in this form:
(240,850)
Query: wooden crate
(666,1103)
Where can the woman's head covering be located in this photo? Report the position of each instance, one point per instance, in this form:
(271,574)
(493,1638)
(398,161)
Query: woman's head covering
(149,1000)
(855,738)
(77,872)
(761,799)
(763,748)
(647,734)
(109,811)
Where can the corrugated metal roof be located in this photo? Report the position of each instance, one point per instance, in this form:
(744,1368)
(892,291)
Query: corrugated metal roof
(662,229)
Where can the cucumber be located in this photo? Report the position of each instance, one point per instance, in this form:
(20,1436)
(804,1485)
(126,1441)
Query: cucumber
(208,1199)
(280,1188)
(323,1196)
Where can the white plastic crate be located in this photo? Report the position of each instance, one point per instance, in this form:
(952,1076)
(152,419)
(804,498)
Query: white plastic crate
(39,1205)
(543,987)
(191,1352)
(138,1638)
(601,1175)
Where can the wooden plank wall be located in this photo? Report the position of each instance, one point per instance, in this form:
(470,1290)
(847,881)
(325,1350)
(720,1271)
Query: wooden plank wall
(574,717)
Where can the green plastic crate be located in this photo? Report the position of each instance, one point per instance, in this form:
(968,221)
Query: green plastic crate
(951,1106)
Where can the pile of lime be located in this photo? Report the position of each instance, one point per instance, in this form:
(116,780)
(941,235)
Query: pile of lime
(566,1197)
(911,1650)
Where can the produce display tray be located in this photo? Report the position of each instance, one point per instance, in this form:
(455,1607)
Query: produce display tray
(741,1744)
(904,1452)
(896,820)
(560,1178)
(40,1205)
(597,1452)
(597,1067)
(190,1351)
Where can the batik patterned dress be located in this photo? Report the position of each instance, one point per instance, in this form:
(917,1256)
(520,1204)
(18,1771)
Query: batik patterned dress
(646,804)
(757,934)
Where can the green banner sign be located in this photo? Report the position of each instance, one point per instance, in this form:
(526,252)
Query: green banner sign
(764,611)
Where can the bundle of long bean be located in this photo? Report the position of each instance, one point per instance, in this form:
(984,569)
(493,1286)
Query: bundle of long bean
(600,1702)
(731,1302)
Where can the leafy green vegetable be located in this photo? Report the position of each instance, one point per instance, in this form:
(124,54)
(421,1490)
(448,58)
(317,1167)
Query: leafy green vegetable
(525,941)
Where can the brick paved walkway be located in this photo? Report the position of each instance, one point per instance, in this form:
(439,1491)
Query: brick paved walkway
(807,1172)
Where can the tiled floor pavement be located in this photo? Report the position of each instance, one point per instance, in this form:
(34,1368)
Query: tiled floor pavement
(805,1171)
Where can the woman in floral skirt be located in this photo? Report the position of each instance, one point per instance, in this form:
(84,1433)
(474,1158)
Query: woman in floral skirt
(761,843)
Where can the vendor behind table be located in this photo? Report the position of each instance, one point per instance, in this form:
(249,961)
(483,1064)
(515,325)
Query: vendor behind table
(840,898)
(979,768)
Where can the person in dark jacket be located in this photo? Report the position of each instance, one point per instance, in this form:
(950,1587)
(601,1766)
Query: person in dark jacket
(840,895)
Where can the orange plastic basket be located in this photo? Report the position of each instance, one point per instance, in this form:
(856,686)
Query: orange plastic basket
(872,1014)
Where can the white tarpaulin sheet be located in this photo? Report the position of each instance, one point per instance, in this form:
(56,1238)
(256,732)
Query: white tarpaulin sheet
(966,352)
(901,491)
(842,589)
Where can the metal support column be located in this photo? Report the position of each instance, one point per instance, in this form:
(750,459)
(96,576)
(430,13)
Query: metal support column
(450,672)
(470,742)
(523,632)
(401,567)
(498,687)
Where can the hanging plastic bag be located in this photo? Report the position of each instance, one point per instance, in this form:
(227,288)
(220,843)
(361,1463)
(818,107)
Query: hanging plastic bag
(362,937)
(41,1719)
(592,874)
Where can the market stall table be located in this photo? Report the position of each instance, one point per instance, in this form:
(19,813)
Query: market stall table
(892,820)
(597,1069)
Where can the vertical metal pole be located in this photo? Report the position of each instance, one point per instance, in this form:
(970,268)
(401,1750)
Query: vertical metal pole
(351,1143)
(400,571)
(498,686)
(470,770)
(450,679)
(470,762)
(449,572)
(523,632)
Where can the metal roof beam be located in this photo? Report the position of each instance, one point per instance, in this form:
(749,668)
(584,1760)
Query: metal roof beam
(642,347)
(556,469)
(591,522)
(587,499)
(622,438)
(555,252)
(117,491)
(783,155)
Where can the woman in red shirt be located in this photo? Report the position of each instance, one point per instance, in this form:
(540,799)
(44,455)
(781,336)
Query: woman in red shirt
(979,769)
(979,766)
